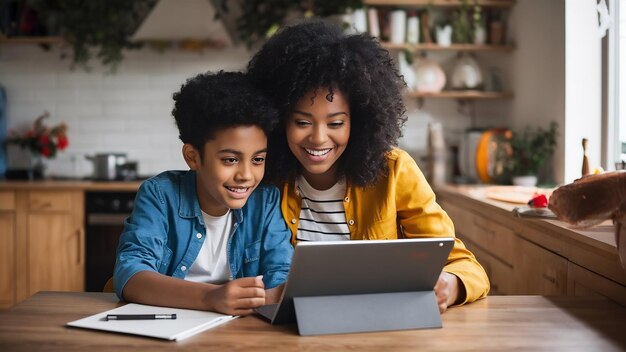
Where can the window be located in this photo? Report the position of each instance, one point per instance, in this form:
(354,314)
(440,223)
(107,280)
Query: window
(614,52)
(620,93)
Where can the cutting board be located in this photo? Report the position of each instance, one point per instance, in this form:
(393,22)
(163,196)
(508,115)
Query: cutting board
(514,194)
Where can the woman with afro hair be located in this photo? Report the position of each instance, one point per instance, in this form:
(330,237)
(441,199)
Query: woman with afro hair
(334,154)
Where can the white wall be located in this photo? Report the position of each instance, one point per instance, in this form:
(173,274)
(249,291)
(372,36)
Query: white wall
(622,76)
(557,77)
(583,80)
(129,111)
(538,69)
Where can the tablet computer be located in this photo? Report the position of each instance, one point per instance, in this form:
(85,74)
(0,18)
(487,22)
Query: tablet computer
(338,268)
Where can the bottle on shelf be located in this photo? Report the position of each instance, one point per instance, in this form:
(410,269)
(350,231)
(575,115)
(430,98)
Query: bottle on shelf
(412,28)
(398,26)
(372,16)
(425,32)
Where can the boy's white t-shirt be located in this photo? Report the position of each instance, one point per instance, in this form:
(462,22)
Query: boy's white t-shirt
(211,265)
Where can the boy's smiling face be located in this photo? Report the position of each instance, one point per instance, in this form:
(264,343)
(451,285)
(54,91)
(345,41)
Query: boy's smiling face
(232,166)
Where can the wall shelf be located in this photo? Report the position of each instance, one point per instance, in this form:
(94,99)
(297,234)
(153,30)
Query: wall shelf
(466,99)
(31,40)
(463,95)
(440,3)
(452,47)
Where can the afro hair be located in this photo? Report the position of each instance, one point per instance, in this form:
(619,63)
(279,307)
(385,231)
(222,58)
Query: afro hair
(313,55)
(210,102)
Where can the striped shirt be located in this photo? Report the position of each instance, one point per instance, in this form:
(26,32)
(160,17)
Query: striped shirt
(322,217)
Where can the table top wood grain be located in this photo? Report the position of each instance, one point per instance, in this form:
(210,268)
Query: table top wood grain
(497,323)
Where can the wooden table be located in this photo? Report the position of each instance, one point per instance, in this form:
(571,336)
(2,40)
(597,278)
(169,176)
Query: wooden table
(496,323)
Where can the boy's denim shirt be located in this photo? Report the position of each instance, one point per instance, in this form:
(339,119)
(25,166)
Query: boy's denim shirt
(166,231)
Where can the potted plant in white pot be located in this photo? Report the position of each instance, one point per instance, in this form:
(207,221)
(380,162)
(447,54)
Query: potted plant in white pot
(529,151)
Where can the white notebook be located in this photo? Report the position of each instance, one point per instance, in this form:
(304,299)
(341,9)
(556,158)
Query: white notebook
(187,323)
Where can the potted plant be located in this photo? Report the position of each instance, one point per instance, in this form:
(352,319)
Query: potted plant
(529,151)
(461,25)
(41,142)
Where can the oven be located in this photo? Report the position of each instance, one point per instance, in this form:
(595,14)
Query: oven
(105,213)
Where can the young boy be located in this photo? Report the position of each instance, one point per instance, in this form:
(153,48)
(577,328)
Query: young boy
(209,238)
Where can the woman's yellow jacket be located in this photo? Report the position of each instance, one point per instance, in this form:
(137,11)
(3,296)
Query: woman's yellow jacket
(400,205)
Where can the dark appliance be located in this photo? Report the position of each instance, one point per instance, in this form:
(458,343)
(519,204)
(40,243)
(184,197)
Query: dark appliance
(105,213)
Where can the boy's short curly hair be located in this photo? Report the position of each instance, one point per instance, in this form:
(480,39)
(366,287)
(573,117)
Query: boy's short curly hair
(315,55)
(210,102)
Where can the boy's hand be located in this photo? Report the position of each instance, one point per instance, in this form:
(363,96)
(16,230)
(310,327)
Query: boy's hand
(273,295)
(238,297)
(446,290)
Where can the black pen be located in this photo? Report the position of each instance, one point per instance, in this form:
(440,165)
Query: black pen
(139,316)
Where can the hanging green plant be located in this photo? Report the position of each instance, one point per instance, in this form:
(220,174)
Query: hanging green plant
(259,19)
(103,27)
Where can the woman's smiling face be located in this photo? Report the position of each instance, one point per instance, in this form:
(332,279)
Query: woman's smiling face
(317,134)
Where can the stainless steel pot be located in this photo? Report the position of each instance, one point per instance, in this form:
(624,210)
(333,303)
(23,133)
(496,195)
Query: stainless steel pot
(107,166)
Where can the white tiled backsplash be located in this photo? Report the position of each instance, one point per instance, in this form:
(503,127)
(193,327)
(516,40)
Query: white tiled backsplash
(130,111)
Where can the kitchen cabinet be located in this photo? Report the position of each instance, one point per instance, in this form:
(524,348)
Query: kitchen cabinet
(583,282)
(526,256)
(47,244)
(492,243)
(7,249)
(55,237)
(42,236)
(500,273)
(538,271)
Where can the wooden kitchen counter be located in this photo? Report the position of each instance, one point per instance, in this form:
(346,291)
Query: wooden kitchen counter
(534,256)
(499,323)
(84,185)
(600,236)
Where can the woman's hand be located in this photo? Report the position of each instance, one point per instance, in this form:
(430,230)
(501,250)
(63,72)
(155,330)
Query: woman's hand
(447,290)
(238,297)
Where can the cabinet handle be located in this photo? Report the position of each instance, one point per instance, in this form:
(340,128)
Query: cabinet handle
(549,278)
(79,233)
(45,205)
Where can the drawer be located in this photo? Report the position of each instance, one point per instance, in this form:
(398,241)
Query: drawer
(582,282)
(495,238)
(462,218)
(7,200)
(500,274)
(499,240)
(539,271)
(49,201)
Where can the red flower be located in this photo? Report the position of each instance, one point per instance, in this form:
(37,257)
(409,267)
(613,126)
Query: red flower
(45,151)
(62,142)
(44,139)
(41,139)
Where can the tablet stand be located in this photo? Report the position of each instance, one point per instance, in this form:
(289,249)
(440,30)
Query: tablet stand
(366,312)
